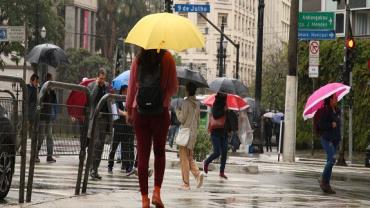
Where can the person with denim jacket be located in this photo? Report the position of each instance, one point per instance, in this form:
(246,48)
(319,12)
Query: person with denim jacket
(329,125)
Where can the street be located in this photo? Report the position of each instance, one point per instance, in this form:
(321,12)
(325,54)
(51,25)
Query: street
(275,185)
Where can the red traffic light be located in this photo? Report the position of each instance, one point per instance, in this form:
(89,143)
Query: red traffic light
(350,43)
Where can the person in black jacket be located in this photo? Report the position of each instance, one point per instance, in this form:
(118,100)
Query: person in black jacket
(47,114)
(32,89)
(329,131)
(268,133)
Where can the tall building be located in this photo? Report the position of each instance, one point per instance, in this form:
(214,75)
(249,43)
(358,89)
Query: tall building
(80,23)
(360,14)
(240,26)
(276,23)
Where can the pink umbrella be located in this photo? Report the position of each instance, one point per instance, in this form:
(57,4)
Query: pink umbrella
(233,102)
(316,100)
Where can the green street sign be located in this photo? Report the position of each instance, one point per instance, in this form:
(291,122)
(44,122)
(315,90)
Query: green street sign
(316,20)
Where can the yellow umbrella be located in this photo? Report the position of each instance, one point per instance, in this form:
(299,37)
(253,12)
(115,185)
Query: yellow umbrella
(165,31)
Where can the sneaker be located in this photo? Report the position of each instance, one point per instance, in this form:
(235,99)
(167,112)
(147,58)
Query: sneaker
(329,190)
(223,176)
(95,176)
(326,188)
(110,170)
(132,172)
(205,167)
(200,180)
(37,160)
(50,159)
(150,172)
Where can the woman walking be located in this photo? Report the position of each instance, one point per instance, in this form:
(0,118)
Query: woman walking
(328,128)
(188,116)
(218,129)
(152,82)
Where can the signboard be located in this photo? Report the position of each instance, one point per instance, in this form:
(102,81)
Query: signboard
(314,51)
(313,71)
(12,33)
(316,20)
(316,34)
(202,8)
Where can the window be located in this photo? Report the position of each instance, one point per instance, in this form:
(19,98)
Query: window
(222,16)
(311,5)
(361,24)
(183,14)
(339,23)
(200,20)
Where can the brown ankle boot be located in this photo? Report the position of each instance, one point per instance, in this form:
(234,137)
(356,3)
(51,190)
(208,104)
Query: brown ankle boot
(145,201)
(156,198)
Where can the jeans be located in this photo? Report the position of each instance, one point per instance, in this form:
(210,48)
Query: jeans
(174,129)
(220,146)
(330,150)
(101,131)
(45,131)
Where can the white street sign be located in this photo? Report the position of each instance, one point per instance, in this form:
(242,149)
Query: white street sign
(314,49)
(313,71)
(12,34)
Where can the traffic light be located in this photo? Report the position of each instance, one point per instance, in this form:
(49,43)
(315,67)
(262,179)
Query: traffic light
(350,43)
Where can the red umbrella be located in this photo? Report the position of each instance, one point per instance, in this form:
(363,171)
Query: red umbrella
(233,102)
(76,102)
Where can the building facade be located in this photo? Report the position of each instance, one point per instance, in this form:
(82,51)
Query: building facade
(80,23)
(276,23)
(360,14)
(240,26)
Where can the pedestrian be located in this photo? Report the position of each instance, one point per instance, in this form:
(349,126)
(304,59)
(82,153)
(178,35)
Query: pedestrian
(327,125)
(152,83)
(47,116)
(277,134)
(98,89)
(174,127)
(218,129)
(234,127)
(32,89)
(188,116)
(267,133)
(124,136)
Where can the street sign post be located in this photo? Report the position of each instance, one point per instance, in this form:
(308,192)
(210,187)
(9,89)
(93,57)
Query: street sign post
(12,34)
(314,53)
(313,71)
(316,20)
(202,8)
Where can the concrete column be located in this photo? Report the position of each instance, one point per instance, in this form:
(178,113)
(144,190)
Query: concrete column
(93,31)
(89,30)
(70,27)
(290,127)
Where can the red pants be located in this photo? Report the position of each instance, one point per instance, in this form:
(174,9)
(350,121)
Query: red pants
(148,130)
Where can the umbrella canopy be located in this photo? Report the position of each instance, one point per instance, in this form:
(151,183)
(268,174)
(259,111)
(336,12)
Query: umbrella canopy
(187,75)
(121,80)
(47,53)
(176,102)
(165,31)
(77,100)
(316,100)
(233,102)
(228,85)
(269,115)
(277,117)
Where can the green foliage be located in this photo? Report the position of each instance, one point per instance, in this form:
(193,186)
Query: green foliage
(82,64)
(331,54)
(178,59)
(203,145)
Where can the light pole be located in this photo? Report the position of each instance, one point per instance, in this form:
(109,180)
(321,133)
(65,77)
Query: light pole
(220,50)
(43,33)
(43,66)
(224,58)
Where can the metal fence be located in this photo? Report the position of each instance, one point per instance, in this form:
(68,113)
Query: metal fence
(58,129)
(13,133)
(108,130)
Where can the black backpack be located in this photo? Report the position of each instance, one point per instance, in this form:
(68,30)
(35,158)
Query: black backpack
(150,96)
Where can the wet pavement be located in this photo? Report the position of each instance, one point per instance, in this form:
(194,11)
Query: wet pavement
(275,185)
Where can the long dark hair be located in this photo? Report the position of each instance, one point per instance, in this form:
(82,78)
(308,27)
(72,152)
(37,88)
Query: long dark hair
(327,101)
(218,108)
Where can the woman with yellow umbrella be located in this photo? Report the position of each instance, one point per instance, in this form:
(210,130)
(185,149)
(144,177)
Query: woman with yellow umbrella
(152,82)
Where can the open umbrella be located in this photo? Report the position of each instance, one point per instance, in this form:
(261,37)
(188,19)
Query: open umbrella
(76,102)
(185,75)
(176,102)
(316,100)
(47,53)
(277,117)
(121,80)
(233,102)
(228,85)
(165,31)
(269,115)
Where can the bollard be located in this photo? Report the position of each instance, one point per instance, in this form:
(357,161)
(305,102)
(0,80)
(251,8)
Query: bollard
(367,158)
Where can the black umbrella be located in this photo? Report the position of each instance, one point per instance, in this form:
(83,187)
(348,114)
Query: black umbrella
(47,53)
(187,75)
(228,85)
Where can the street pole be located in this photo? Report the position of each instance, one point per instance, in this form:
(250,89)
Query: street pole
(25,51)
(313,129)
(258,88)
(221,50)
(341,159)
(291,87)
(237,61)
